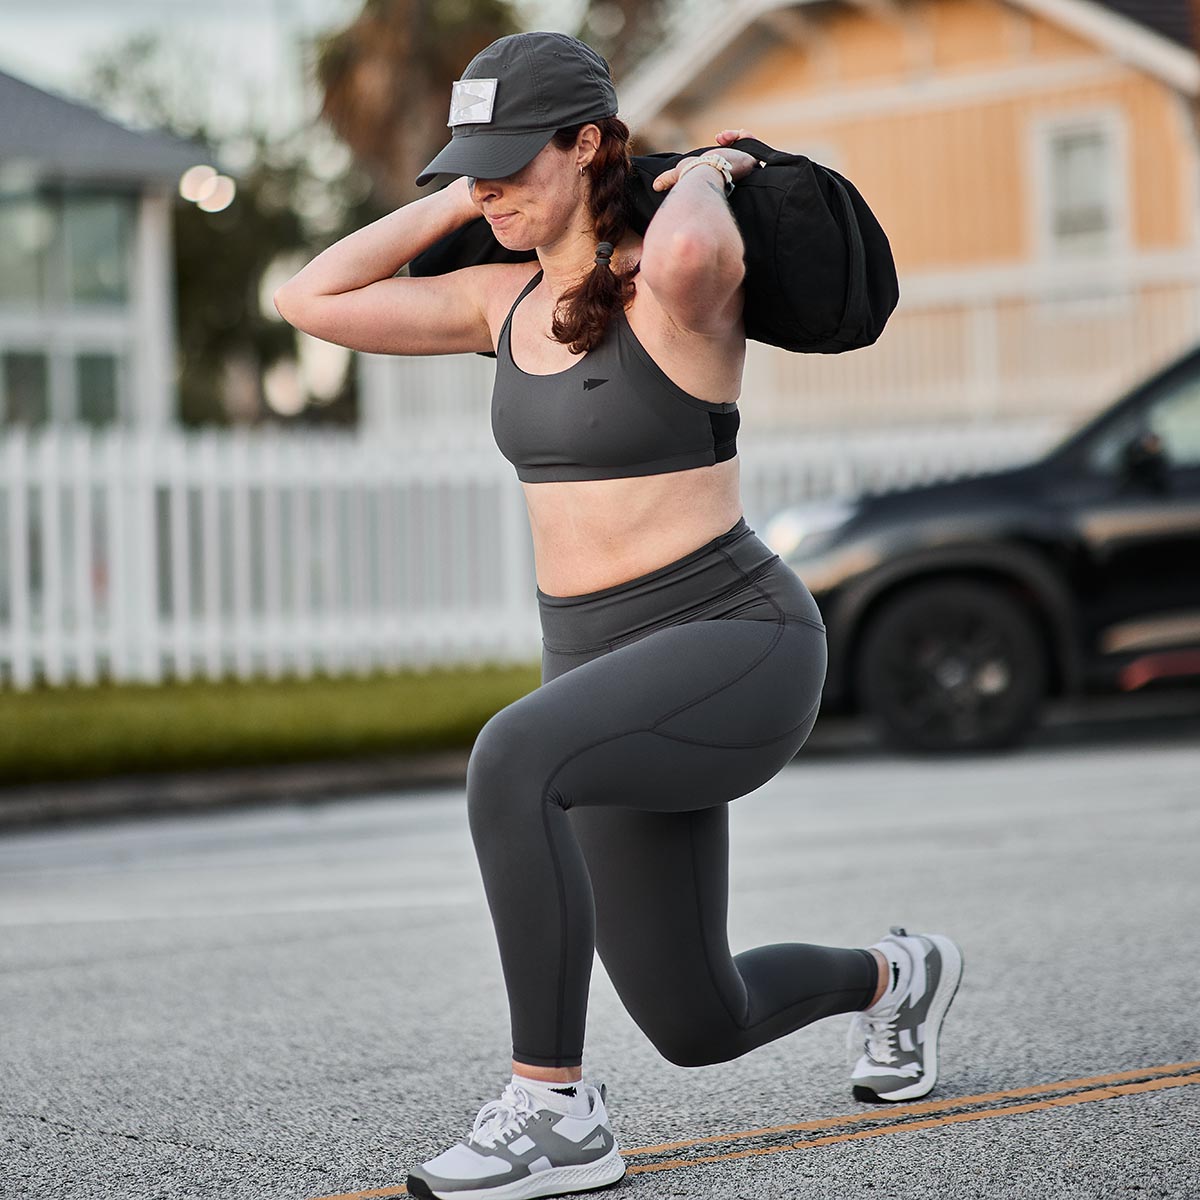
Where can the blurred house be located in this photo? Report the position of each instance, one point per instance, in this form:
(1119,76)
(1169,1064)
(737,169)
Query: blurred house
(86,294)
(1034,162)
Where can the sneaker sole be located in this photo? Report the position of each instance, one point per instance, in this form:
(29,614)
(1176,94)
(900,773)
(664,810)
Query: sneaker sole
(557,1181)
(952,968)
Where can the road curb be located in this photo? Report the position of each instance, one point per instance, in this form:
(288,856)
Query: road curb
(125,795)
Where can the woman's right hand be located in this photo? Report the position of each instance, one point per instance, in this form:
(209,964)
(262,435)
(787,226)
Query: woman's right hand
(351,295)
(742,164)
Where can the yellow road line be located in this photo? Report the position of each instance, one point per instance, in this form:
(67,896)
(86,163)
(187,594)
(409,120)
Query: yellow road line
(892,1111)
(1107,1093)
(1100,1087)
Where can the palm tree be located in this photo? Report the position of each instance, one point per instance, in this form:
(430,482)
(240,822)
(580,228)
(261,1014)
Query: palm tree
(385,78)
(385,81)
(626,31)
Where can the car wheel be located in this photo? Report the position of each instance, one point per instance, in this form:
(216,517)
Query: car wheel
(954,665)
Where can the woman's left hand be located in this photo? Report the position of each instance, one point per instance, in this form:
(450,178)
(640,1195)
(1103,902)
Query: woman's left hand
(741,162)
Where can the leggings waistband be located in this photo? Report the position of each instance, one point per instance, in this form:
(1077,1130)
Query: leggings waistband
(715,569)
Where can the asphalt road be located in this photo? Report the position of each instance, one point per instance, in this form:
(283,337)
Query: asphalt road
(291,1002)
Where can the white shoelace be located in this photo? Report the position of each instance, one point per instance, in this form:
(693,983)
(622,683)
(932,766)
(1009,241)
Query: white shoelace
(506,1115)
(877,1035)
(880,1033)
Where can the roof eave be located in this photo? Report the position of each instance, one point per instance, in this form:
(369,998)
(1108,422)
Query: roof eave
(667,74)
(1127,39)
(664,77)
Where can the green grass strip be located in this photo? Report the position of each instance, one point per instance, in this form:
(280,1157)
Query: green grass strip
(62,733)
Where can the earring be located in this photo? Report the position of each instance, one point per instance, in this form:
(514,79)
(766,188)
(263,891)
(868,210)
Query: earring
(581,169)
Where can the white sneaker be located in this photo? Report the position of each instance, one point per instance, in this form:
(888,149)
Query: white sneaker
(896,1039)
(519,1149)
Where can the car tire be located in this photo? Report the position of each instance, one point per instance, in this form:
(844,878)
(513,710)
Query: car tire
(953,665)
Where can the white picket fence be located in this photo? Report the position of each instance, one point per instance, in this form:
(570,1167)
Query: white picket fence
(151,556)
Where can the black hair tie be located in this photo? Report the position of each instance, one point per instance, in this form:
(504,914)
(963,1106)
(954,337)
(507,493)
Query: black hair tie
(604,253)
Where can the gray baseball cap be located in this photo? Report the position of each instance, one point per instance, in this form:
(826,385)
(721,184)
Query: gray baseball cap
(512,97)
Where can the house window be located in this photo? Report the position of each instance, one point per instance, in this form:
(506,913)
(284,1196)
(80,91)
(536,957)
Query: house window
(66,260)
(27,231)
(96,378)
(1083,186)
(97,239)
(63,248)
(1081,166)
(26,387)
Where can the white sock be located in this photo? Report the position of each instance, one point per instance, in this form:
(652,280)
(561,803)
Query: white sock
(566,1098)
(899,975)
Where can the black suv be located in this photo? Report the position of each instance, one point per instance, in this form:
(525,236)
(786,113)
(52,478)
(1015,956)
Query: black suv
(955,609)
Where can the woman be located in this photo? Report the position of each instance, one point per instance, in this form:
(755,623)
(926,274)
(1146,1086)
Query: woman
(683,660)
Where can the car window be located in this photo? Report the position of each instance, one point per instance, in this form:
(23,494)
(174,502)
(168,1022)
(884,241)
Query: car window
(1105,454)
(1174,417)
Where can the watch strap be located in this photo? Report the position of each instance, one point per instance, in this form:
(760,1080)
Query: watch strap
(719,161)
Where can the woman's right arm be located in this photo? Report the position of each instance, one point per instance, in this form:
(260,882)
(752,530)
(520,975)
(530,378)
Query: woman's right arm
(349,294)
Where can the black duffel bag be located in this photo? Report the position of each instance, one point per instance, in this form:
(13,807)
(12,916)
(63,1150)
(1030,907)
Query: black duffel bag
(820,277)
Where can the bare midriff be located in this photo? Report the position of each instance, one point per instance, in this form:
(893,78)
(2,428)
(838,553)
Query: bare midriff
(590,534)
(594,533)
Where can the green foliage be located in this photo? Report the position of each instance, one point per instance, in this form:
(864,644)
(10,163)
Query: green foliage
(385,80)
(220,260)
(287,208)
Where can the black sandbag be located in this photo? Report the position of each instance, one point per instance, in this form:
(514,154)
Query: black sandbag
(820,276)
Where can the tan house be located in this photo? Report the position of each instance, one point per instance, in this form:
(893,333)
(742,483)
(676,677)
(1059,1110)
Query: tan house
(1034,162)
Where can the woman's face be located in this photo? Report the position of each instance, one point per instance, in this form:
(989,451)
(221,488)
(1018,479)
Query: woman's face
(537,204)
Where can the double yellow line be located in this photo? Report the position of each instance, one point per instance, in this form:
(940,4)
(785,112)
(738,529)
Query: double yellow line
(1079,1091)
(885,1121)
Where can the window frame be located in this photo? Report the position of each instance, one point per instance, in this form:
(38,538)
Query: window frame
(1110,121)
(62,329)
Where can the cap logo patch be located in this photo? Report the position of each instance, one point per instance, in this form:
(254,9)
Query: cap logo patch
(471,101)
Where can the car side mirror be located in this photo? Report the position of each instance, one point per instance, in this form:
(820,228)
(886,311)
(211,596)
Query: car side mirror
(1144,460)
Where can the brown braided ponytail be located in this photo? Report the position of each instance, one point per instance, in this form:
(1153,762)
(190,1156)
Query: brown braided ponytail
(584,311)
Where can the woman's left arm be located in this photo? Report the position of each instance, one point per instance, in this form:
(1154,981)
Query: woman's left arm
(692,251)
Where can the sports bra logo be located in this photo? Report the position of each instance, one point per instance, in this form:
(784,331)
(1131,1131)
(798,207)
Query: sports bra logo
(588,384)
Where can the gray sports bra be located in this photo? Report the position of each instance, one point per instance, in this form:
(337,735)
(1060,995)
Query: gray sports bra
(611,414)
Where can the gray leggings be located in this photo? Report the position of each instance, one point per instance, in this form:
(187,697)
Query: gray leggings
(599,803)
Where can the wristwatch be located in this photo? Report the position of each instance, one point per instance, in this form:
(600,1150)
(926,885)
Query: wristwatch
(714,160)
